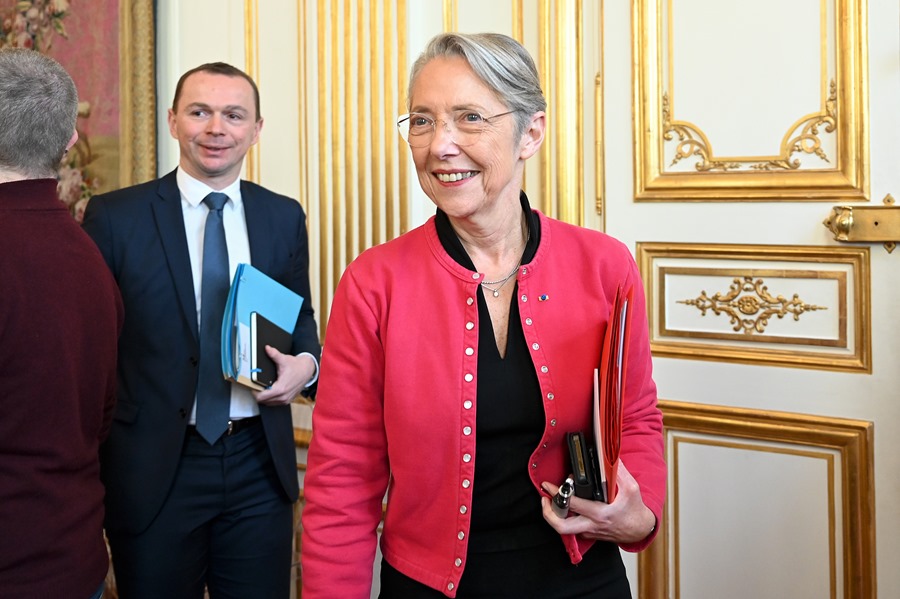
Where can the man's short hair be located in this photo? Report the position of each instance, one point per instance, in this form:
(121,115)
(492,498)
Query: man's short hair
(217,68)
(38,110)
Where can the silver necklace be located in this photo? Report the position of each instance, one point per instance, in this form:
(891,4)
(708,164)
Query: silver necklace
(501,282)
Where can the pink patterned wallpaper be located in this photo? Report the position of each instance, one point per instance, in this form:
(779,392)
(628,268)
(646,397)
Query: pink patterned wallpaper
(91,55)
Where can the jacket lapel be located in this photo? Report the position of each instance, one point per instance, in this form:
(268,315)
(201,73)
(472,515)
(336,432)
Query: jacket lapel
(259,229)
(170,225)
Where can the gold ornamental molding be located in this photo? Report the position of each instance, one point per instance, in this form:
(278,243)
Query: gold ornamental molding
(518,27)
(137,92)
(560,61)
(353,90)
(690,141)
(838,339)
(663,141)
(451,15)
(749,305)
(251,50)
(851,476)
(600,170)
(808,141)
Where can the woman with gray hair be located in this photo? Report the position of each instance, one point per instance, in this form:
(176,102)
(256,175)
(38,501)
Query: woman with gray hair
(458,357)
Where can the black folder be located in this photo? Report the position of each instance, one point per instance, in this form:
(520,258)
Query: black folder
(262,333)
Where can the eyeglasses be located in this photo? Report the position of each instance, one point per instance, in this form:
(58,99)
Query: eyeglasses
(418,129)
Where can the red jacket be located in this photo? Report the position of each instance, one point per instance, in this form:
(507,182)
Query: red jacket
(397,397)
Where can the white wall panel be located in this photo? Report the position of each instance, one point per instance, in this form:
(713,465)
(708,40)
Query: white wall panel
(190,34)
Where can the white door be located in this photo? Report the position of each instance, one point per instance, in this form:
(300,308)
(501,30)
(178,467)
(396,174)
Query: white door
(775,345)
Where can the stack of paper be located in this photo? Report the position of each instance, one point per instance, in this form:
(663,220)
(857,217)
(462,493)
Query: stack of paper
(609,386)
(253,292)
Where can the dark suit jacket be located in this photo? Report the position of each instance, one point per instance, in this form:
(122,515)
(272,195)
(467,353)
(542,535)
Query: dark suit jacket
(140,232)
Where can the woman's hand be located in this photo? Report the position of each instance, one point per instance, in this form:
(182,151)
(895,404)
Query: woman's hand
(625,520)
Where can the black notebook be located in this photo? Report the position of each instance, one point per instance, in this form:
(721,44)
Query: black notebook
(262,333)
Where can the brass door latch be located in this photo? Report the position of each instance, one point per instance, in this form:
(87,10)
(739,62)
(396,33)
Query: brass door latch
(866,223)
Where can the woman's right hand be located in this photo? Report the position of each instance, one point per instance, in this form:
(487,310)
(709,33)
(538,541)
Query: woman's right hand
(625,520)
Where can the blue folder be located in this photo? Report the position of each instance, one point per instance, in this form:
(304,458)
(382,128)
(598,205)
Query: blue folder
(253,291)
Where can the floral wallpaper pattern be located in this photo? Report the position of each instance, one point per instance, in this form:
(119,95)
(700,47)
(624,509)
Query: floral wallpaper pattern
(36,25)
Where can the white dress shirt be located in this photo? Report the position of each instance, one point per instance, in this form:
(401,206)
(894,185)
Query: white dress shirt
(243,404)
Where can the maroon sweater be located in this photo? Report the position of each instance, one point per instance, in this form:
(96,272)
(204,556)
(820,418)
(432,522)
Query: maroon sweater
(60,316)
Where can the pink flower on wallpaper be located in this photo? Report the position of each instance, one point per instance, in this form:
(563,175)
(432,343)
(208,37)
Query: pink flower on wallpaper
(75,187)
(91,55)
(69,186)
(19,24)
(31,24)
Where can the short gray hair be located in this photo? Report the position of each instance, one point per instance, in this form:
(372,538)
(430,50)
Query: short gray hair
(499,61)
(38,110)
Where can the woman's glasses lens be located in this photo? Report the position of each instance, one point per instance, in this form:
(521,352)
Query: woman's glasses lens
(464,126)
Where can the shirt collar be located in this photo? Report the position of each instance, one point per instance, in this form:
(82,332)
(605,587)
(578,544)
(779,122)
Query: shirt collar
(193,190)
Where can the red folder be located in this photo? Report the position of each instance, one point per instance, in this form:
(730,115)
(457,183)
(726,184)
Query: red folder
(609,386)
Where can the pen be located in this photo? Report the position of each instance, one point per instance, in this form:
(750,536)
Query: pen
(560,502)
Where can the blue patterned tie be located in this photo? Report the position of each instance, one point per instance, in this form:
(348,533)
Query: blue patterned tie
(213,391)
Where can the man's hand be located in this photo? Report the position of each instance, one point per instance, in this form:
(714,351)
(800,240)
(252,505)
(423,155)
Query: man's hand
(294,372)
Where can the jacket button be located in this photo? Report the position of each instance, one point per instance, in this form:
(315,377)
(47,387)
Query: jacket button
(182,412)
(194,361)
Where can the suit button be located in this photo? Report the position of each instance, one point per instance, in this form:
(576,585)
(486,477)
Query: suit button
(182,412)
(194,361)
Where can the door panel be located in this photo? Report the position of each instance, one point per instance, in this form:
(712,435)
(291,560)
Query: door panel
(782,439)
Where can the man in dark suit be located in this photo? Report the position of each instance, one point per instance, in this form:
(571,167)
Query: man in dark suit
(196,497)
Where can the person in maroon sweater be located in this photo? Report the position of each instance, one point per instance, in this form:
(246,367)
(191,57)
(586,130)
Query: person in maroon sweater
(60,317)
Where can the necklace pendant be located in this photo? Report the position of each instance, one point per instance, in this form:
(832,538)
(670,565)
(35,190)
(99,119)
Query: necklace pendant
(497,293)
